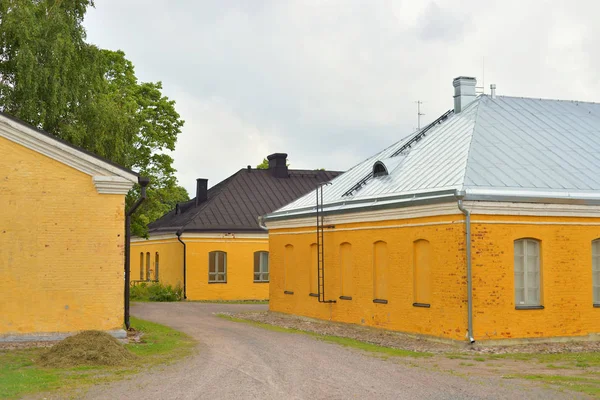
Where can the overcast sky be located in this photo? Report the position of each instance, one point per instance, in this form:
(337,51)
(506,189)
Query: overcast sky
(332,82)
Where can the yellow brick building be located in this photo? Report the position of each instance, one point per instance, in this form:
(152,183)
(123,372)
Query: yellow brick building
(212,245)
(61,237)
(483,226)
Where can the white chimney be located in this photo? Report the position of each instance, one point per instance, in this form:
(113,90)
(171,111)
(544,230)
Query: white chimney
(493,90)
(464,92)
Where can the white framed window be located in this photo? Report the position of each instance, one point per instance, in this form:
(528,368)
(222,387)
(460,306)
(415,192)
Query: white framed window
(261,266)
(527,273)
(596,270)
(217,267)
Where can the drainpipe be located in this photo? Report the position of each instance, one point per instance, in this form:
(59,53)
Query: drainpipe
(460,195)
(143,181)
(261,223)
(179,233)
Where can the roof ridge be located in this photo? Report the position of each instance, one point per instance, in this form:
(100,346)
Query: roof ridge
(543,99)
(478,100)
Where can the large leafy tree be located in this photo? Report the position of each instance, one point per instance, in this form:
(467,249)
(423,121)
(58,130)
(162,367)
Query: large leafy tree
(51,78)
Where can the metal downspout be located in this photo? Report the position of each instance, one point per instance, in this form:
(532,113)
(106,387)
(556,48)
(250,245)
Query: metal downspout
(261,223)
(143,181)
(460,196)
(179,233)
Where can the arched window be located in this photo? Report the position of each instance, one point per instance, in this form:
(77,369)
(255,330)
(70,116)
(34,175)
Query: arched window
(380,272)
(596,270)
(141,266)
(346,271)
(148,266)
(313,273)
(261,266)
(156,259)
(379,169)
(422,273)
(288,269)
(527,273)
(217,267)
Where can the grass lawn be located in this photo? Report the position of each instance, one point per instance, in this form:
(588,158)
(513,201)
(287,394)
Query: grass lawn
(20,375)
(230,301)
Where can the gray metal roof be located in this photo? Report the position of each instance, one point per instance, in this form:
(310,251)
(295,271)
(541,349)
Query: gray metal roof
(496,148)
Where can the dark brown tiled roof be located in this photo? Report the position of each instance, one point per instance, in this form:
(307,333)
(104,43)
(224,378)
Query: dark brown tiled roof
(235,204)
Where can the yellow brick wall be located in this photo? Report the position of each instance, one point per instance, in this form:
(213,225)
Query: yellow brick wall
(566,270)
(447,316)
(566,266)
(240,266)
(61,247)
(240,269)
(170,253)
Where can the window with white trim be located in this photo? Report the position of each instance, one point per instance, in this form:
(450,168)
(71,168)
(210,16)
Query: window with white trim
(596,270)
(261,266)
(527,273)
(217,267)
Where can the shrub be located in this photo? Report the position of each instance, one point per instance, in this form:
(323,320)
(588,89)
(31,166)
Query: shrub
(155,292)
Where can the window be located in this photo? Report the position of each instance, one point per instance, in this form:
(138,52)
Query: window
(261,266)
(527,273)
(422,273)
(313,273)
(288,266)
(141,266)
(217,267)
(379,169)
(346,271)
(147,266)
(380,272)
(156,266)
(596,270)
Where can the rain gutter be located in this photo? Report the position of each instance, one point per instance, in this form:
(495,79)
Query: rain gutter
(261,222)
(460,195)
(179,233)
(143,181)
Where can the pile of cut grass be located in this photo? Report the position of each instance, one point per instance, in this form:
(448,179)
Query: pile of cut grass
(88,348)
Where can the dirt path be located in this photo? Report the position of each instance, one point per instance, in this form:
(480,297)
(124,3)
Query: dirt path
(239,361)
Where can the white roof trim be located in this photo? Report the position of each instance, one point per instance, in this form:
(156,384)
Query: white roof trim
(107,178)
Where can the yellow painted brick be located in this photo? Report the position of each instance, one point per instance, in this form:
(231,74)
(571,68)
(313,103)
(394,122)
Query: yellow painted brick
(61,247)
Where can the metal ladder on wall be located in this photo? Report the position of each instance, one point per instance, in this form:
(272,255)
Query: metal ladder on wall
(321,245)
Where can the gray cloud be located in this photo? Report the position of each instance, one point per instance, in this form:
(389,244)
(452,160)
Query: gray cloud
(333,82)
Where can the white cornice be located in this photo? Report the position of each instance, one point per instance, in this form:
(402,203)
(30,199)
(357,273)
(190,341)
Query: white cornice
(450,208)
(201,235)
(107,178)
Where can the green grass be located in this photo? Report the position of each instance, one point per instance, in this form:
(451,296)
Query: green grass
(346,342)
(581,384)
(20,375)
(579,360)
(155,291)
(230,301)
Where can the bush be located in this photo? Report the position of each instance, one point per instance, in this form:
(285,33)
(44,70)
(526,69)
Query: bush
(155,292)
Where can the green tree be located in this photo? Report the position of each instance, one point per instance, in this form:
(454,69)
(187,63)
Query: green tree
(263,165)
(51,78)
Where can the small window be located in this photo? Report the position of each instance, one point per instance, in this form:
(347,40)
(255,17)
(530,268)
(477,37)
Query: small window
(141,266)
(261,266)
(596,270)
(379,169)
(156,266)
(217,267)
(148,276)
(527,273)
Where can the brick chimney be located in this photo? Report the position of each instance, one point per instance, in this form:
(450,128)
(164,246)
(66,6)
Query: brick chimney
(201,190)
(278,165)
(464,92)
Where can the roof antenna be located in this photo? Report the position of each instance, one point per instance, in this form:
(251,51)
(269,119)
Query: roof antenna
(482,87)
(419,113)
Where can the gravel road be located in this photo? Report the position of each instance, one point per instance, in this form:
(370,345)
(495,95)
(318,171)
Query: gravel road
(239,361)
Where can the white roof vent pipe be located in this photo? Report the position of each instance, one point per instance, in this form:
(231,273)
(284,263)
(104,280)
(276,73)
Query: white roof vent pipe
(464,92)
(493,90)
